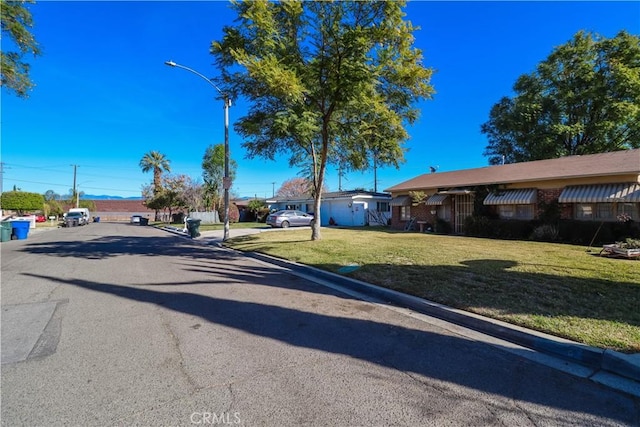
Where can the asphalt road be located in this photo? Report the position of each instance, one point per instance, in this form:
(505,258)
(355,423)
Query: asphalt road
(114,324)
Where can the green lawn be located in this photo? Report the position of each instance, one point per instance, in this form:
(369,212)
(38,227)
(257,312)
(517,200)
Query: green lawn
(559,289)
(208,227)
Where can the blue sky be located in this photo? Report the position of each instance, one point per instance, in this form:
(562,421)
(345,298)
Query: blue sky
(104,97)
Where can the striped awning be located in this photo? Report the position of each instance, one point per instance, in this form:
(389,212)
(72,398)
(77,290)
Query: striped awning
(603,193)
(401,201)
(526,196)
(437,199)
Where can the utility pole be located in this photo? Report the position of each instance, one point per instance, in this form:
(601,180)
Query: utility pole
(1,177)
(75,192)
(273,189)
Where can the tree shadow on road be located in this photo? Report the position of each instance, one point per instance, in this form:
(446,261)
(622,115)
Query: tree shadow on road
(446,357)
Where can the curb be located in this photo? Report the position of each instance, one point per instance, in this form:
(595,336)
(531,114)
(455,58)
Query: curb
(591,357)
(597,359)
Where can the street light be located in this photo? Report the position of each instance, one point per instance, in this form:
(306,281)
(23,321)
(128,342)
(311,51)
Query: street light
(77,191)
(226,181)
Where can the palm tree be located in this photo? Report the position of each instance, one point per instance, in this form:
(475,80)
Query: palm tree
(158,162)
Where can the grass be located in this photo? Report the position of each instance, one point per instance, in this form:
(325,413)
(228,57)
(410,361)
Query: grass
(208,227)
(558,289)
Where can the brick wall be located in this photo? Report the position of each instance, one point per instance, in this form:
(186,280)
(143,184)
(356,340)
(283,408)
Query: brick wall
(421,212)
(552,195)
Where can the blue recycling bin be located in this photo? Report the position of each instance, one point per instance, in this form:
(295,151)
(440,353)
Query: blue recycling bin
(20,229)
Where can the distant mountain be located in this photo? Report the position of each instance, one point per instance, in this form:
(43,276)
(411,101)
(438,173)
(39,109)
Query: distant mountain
(107,197)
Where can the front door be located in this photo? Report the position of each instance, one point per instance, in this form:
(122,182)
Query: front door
(463,207)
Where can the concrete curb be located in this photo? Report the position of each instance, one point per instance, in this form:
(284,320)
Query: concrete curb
(627,366)
(596,359)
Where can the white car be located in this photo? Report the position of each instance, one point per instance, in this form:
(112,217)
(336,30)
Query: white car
(135,219)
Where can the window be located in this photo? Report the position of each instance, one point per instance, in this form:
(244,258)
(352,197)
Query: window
(630,209)
(405,213)
(584,212)
(382,206)
(605,211)
(506,211)
(515,211)
(524,211)
(444,212)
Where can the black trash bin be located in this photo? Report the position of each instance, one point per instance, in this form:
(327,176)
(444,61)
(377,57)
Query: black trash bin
(144,221)
(193,226)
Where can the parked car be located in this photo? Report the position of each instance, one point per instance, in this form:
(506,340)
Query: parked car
(39,218)
(135,219)
(86,215)
(75,216)
(289,218)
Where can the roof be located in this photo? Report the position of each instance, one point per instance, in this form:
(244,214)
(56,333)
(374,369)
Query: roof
(354,193)
(603,164)
(349,194)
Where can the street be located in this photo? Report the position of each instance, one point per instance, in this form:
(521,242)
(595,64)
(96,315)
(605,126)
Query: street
(117,324)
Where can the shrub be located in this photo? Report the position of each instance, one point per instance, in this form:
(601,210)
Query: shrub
(442,226)
(629,244)
(22,201)
(234,213)
(477,226)
(545,233)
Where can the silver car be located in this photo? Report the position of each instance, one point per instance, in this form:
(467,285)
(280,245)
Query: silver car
(289,218)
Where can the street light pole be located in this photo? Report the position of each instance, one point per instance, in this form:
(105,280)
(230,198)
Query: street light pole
(226,181)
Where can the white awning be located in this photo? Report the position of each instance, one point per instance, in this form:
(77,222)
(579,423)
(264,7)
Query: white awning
(401,201)
(603,193)
(437,199)
(525,196)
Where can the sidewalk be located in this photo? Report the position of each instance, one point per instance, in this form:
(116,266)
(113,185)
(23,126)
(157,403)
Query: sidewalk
(610,368)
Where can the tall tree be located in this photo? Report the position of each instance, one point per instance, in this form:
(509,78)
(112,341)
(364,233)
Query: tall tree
(158,163)
(295,187)
(583,99)
(213,172)
(324,80)
(16,21)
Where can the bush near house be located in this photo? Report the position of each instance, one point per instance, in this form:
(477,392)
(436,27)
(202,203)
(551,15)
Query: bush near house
(234,213)
(564,231)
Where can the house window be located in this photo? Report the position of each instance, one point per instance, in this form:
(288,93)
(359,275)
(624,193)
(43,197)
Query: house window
(405,213)
(630,209)
(444,212)
(382,206)
(584,212)
(524,211)
(605,211)
(515,211)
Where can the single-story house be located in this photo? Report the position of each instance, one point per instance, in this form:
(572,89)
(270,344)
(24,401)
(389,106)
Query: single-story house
(596,187)
(348,208)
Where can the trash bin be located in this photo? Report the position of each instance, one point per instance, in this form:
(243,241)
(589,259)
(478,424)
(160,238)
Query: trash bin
(144,221)
(7,231)
(96,219)
(20,229)
(193,226)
